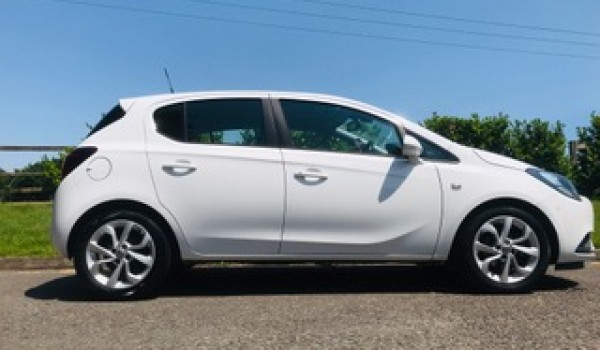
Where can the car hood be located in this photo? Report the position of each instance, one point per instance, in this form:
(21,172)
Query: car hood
(499,160)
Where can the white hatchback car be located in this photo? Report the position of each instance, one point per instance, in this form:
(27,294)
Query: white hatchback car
(168,180)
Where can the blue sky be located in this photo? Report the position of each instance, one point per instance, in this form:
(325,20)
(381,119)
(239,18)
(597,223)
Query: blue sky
(63,63)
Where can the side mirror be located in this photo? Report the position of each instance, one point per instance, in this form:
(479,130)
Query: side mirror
(411,148)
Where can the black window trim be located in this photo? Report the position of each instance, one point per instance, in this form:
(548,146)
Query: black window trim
(186,133)
(280,124)
(272,137)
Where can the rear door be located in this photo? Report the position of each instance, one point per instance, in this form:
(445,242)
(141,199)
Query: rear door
(216,172)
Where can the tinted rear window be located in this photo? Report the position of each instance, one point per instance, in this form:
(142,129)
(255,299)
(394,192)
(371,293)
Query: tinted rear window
(115,114)
(170,121)
(221,121)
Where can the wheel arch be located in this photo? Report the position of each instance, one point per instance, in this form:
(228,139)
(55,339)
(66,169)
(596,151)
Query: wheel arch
(107,207)
(518,203)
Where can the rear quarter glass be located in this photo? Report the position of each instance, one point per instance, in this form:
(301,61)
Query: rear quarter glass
(116,113)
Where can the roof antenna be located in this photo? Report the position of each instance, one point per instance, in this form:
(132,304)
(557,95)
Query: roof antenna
(168,80)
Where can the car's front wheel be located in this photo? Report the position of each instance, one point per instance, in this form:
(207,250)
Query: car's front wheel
(503,249)
(122,254)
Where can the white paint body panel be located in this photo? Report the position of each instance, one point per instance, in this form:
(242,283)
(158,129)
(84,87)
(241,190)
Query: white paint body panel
(232,203)
(367,205)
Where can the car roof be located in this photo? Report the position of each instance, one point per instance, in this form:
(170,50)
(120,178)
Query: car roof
(162,98)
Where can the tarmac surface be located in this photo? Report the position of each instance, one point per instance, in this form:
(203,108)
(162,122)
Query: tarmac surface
(302,307)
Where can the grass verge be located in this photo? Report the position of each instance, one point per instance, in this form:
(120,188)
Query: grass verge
(25,229)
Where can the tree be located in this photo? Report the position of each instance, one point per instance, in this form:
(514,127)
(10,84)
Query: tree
(587,168)
(540,143)
(23,181)
(536,142)
(52,167)
(491,133)
(3,180)
(47,182)
(209,137)
(248,137)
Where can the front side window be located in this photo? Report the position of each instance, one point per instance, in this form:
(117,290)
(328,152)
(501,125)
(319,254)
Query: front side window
(431,151)
(328,127)
(222,121)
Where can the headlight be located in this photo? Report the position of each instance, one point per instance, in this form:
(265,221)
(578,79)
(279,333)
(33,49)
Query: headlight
(556,181)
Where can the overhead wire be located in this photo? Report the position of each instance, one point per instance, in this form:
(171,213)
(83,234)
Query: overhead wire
(322,30)
(393,24)
(453,18)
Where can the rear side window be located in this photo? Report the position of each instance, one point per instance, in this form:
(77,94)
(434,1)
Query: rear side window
(223,121)
(170,121)
(116,113)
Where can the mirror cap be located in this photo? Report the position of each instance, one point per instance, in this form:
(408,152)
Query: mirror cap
(411,148)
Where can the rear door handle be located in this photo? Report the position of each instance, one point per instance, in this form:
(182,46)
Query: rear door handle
(182,168)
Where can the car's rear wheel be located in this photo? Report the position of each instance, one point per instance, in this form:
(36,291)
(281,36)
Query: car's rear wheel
(503,249)
(122,254)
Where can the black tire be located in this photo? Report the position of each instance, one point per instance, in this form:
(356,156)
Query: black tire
(511,266)
(139,264)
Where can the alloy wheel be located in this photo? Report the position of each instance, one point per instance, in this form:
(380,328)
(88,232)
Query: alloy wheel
(120,254)
(506,249)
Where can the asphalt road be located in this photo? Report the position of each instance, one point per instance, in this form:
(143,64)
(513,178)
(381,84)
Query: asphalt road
(302,307)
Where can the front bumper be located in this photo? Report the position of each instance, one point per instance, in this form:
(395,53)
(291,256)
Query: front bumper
(574,224)
(585,247)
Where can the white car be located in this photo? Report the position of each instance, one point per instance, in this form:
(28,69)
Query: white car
(173,179)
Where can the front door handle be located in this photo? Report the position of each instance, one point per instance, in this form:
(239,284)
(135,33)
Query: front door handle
(311,174)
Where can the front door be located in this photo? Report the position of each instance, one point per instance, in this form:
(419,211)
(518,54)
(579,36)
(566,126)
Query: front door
(347,194)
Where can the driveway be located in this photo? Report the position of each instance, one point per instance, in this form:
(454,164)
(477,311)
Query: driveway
(347,307)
